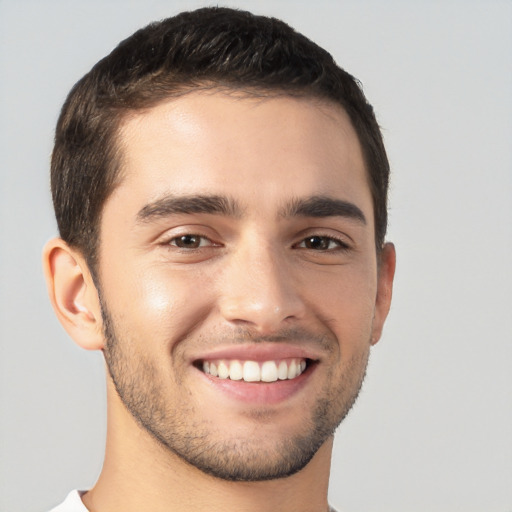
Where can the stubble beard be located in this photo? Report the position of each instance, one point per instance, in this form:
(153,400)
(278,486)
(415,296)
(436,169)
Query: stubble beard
(231,459)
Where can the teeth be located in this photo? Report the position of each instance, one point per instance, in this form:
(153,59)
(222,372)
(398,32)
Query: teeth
(252,371)
(269,371)
(292,370)
(236,371)
(282,371)
(223,370)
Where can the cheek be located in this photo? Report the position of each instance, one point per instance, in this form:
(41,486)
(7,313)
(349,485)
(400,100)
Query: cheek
(345,300)
(158,304)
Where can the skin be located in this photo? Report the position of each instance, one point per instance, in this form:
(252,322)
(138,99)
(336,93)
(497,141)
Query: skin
(264,278)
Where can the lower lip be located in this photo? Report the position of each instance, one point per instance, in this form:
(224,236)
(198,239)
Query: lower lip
(261,393)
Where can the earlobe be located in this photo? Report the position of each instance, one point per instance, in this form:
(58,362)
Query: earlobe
(385,276)
(73,294)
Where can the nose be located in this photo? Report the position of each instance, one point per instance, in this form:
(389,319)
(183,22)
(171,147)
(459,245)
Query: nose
(258,290)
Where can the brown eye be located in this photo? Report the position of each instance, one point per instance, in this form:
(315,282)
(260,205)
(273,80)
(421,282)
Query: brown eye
(188,241)
(322,243)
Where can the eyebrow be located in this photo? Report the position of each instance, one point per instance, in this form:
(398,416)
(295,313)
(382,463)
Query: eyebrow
(323,206)
(315,206)
(172,205)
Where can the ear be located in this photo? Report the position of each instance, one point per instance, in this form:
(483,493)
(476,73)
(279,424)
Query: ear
(385,275)
(73,294)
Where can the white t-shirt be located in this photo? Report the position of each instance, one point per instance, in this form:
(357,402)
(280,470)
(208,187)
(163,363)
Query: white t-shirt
(73,503)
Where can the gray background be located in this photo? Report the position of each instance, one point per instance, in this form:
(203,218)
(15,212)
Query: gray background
(432,430)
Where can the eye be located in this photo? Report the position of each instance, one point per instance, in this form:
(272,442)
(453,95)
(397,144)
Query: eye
(190,241)
(322,243)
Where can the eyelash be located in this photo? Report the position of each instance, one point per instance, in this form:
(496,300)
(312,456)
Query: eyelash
(340,244)
(202,238)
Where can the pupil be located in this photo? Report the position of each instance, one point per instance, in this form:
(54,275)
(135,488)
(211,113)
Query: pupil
(316,242)
(189,241)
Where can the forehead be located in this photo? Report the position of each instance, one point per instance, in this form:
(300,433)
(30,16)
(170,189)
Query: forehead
(241,146)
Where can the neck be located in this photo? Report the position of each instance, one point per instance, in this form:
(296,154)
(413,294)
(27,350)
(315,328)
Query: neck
(139,474)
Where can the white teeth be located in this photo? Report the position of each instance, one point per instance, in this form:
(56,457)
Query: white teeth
(223,370)
(282,371)
(236,372)
(252,371)
(269,371)
(292,370)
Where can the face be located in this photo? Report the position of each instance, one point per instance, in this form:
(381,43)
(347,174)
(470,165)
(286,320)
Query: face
(239,279)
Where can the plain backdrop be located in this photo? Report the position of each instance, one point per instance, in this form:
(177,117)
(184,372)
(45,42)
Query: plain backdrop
(432,430)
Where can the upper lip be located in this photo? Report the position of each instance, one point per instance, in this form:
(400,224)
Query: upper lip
(262,351)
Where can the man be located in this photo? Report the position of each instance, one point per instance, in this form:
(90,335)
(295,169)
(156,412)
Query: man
(220,189)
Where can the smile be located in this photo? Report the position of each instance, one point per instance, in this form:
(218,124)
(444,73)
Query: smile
(255,371)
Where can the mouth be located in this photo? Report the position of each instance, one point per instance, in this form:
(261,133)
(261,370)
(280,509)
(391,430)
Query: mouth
(255,371)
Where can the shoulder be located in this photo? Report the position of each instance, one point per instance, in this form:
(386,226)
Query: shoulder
(72,503)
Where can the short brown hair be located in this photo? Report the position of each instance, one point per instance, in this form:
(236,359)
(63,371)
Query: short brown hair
(209,47)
